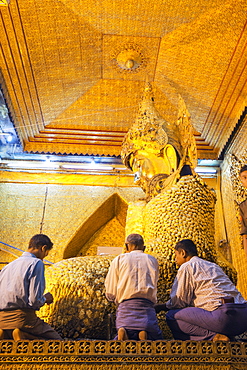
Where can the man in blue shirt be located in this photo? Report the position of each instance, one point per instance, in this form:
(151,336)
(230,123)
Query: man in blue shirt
(22,285)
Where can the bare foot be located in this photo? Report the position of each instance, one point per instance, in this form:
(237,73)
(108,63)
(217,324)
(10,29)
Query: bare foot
(221,337)
(18,335)
(122,334)
(143,335)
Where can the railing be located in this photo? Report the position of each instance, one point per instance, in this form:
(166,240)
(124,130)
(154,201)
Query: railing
(11,251)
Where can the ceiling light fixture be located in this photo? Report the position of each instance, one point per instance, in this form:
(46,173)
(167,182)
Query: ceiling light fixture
(33,165)
(9,136)
(88,167)
(207,170)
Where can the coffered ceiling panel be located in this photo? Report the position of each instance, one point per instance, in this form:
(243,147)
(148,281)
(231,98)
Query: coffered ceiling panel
(73,71)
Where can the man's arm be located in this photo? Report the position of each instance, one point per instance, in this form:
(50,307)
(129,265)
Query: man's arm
(36,298)
(182,291)
(111,281)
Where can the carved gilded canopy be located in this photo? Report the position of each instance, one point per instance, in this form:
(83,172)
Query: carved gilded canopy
(73,71)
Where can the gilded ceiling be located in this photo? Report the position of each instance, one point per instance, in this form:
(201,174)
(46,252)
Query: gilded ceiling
(73,71)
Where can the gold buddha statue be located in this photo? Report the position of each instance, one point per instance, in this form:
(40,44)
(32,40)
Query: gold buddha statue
(178,203)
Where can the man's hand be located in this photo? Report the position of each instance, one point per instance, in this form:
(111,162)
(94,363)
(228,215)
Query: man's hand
(160,307)
(48,297)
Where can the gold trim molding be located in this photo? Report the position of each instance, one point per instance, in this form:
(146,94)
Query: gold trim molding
(119,180)
(96,354)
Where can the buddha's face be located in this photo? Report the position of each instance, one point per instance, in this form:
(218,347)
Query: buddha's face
(146,165)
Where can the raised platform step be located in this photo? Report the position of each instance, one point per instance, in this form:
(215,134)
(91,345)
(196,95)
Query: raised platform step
(116,355)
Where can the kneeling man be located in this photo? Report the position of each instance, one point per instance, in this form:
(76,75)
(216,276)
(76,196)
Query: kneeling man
(204,304)
(22,285)
(131,283)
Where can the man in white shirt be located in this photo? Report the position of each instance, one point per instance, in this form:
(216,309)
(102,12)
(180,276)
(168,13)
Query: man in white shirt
(131,283)
(204,304)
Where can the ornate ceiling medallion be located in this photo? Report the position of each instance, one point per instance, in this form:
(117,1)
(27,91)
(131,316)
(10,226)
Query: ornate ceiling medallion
(130,58)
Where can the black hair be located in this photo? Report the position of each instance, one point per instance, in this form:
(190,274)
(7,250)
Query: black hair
(188,246)
(136,239)
(244,168)
(39,240)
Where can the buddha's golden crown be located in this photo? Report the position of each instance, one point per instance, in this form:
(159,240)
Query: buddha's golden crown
(152,133)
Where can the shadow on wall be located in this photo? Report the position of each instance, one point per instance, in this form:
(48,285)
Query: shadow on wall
(104,228)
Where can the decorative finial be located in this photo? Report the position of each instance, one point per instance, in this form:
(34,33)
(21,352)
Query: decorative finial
(152,133)
(147,132)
